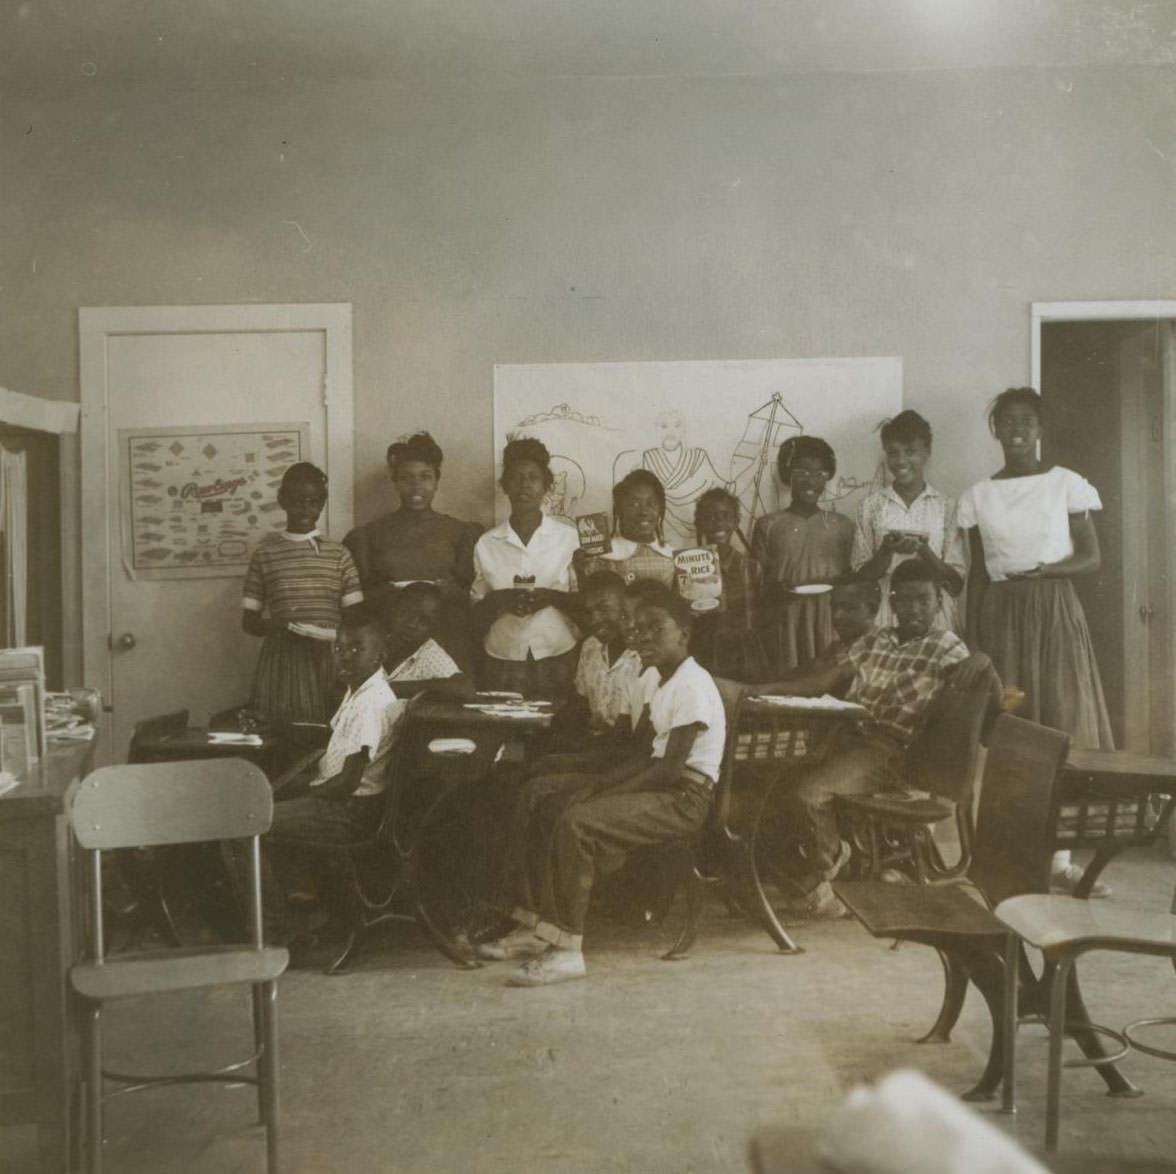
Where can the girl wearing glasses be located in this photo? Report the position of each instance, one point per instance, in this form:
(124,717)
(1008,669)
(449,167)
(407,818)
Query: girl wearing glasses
(800,546)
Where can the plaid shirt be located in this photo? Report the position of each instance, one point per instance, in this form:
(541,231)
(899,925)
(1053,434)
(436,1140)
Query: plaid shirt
(896,681)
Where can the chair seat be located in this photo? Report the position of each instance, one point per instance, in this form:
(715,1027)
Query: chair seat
(889,910)
(1049,922)
(177,970)
(898,807)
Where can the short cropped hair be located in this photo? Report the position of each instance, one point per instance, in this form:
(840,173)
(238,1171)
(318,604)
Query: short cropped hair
(797,448)
(906,428)
(601,581)
(362,618)
(713,497)
(420,446)
(677,608)
(914,570)
(527,448)
(303,473)
(1013,397)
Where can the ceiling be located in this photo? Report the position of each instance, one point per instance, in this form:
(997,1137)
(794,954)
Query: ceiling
(447,42)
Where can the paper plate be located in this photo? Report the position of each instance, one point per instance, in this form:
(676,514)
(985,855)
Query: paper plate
(704,605)
(452,746)
(812,588)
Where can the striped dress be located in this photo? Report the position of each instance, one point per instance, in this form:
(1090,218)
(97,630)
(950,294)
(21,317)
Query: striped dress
(303,578)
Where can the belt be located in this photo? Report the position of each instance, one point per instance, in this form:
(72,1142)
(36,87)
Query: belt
(696,776)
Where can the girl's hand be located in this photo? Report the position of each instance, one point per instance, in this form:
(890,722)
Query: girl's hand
(311,631)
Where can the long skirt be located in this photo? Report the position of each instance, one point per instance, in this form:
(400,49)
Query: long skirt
(294,679)
(1035,631)
(803,630)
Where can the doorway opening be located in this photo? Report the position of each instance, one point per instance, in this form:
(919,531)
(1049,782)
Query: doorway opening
(1107,375)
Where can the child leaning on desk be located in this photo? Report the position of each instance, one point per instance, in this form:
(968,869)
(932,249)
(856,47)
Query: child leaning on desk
(662,792)
(339,796)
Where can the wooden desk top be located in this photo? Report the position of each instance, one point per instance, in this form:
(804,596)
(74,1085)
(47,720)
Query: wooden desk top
(43,789)
(453,714)
(1113,766)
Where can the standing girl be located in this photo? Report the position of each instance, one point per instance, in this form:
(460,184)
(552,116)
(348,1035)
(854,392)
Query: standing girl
(638,547)
(910,519)
(523,578)
(801,546)
(296,588)
(1031,532)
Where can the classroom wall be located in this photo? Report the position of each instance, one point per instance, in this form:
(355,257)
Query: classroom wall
(550,219)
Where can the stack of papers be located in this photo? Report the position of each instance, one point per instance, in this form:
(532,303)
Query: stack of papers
(231,738)
(827,703)
(512,709)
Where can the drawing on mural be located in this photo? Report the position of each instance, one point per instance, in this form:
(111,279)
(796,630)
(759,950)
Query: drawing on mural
(196,499)
(696,426)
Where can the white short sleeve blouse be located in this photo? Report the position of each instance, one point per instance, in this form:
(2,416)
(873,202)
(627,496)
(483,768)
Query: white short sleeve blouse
(1025,521)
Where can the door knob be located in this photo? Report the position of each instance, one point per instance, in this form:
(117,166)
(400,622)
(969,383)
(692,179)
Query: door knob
(126,641)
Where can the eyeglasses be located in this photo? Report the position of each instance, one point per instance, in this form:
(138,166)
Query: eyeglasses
(810,474)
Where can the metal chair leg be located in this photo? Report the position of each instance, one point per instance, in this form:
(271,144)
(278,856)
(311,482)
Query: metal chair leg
(268,1072)
(955,990)
(1057,1033)
(987,972)
(1012,975)
(93,1029)
(256,998)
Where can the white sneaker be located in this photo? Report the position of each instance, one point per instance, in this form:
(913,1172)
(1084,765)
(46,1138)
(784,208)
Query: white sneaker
(519,943)
(1066,880)
(554,965)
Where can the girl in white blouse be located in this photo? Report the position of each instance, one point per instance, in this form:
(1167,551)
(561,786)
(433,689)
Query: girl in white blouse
(910,519)
(523,580)
(1031,532)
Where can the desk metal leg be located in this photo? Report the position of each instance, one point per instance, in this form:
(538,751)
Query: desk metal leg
(749,861)
(1012,975)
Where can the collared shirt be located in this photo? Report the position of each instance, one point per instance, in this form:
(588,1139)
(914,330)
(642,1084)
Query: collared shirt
(896,680)
(366,720)
(931,513)
(607,685)
(500,558)
(430,662)
(635,560)
(689,697)
(301,577)
(1025,521)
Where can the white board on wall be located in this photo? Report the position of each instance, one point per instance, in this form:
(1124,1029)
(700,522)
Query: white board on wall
(697,425)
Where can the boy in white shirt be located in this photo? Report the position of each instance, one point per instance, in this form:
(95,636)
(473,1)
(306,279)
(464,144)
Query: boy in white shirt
(662,794)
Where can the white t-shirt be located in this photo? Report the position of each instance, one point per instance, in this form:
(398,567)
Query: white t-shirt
(366,720)
(1025,521)
(500,558)
(688,697)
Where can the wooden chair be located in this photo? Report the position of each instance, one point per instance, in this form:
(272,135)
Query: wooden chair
(1064,929)
(1018,802)
(174,803)
(893,828)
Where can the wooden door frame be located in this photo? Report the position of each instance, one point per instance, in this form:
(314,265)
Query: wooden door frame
(1134,545)
(95,326)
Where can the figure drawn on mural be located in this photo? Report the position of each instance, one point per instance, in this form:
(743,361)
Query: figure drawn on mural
(568,484)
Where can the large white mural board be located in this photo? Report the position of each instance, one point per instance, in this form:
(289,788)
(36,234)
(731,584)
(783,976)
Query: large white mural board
(696,425)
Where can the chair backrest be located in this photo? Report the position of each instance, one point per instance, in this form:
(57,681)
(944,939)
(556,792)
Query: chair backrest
(1018,808)
(150,729)
(139,806)
(732,693)
(944,755)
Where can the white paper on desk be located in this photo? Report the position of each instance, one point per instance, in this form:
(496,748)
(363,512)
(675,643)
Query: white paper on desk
(825,703)
(908,1125)
(8,782)
(231,738)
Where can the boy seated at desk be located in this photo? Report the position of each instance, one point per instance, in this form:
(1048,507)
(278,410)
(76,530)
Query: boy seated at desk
(339,796)
(895,673)
(414,660)
(661,792)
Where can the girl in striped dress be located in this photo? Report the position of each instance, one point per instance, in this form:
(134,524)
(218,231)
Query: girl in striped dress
(296,588)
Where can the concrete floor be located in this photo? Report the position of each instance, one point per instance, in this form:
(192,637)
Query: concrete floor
(410,1065)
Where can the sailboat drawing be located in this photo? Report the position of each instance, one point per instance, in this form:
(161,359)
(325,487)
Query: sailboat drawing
(754,457)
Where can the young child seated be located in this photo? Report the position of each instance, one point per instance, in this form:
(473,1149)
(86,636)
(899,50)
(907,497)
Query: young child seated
(663,792)
(339,797)
(412,657)
(895,673)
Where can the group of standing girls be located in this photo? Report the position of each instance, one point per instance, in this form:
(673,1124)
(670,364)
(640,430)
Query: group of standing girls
(510,592)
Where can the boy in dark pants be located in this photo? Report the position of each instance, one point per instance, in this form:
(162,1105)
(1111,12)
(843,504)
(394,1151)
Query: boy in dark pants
(664,793)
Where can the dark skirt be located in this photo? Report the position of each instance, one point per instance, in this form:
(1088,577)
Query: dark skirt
(803,630)
(294,679)
(1035,631)
(548,679)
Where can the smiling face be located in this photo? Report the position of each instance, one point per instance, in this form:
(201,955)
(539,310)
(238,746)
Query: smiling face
(852,612)
(525,483)
(807,479)
(303,501)
(606,615)
(661,641)
(915,606)
(413,621)
(359,649)
(416,483)
(639,514)
(1018,428)
(906,460)
(718,520)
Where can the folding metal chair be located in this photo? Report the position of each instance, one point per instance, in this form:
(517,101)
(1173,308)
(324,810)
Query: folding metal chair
(175,803)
